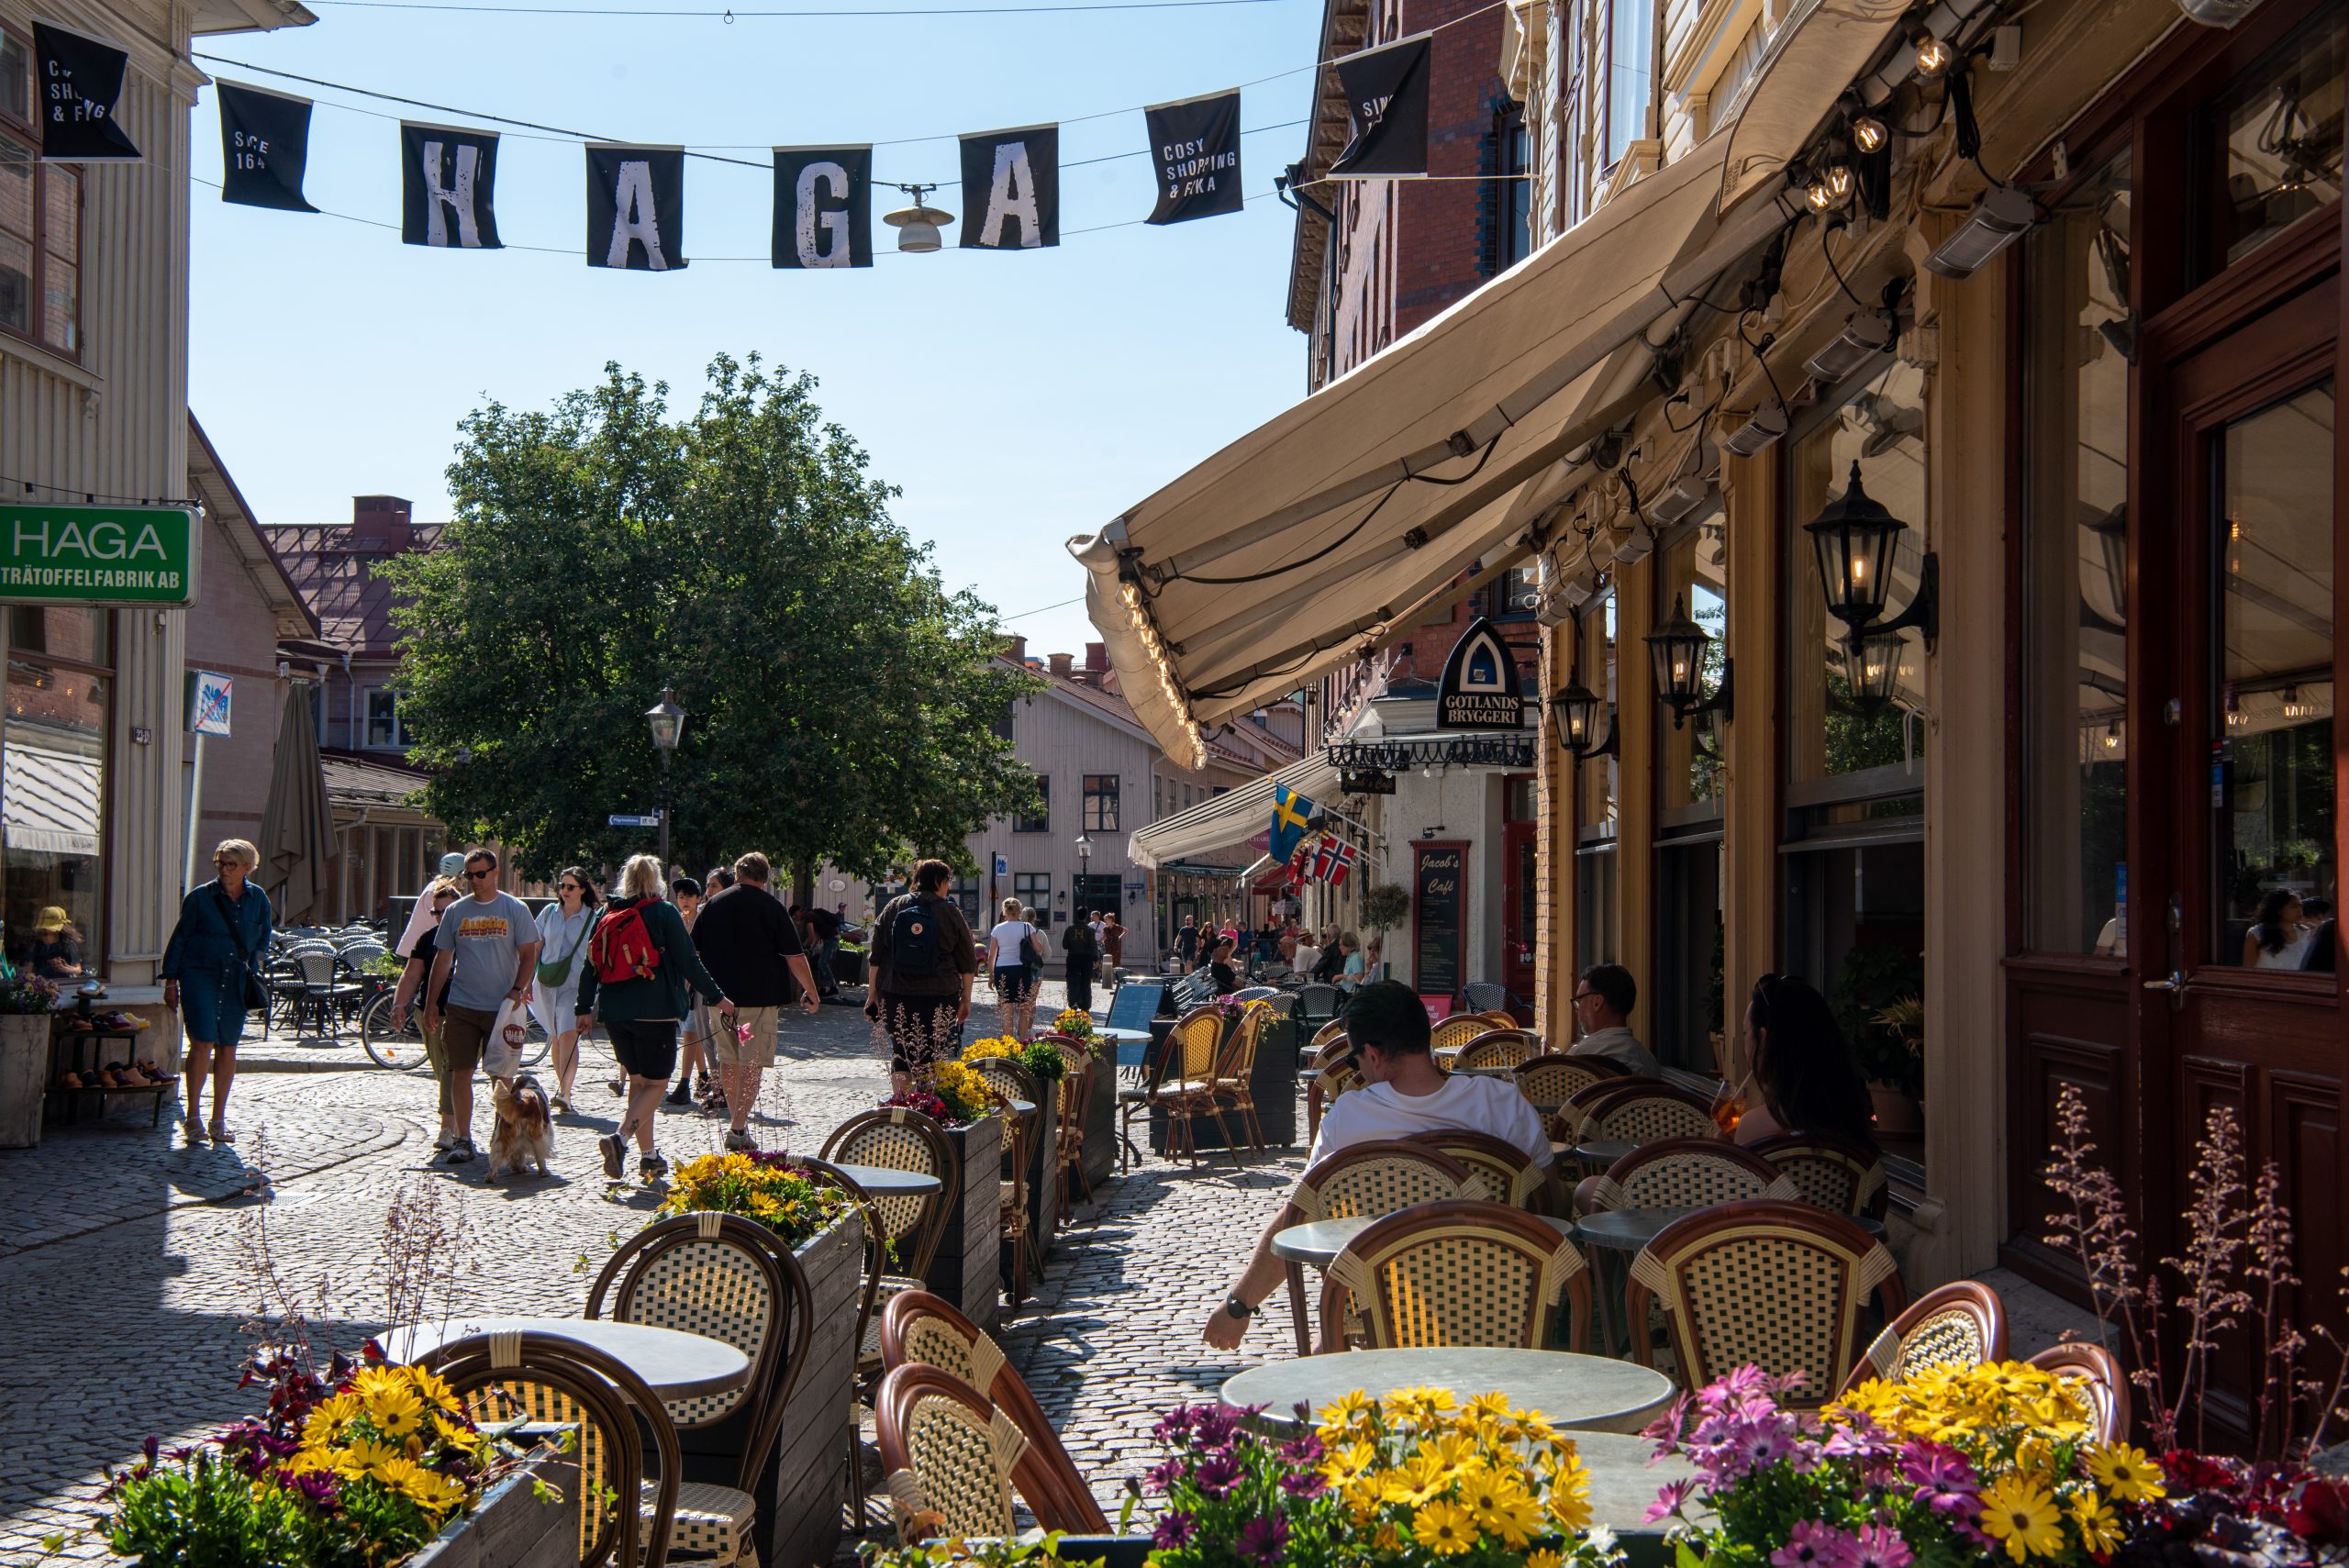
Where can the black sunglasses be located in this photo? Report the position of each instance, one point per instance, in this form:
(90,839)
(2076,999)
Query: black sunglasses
(479,876)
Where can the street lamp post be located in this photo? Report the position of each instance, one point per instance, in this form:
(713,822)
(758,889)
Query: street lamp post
(1084,859)
(667,722)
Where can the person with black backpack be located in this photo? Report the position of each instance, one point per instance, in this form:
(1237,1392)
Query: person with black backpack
(924,959)
(1083,954)
(641,967)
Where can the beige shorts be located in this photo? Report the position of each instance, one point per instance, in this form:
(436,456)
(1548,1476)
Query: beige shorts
(751,1043)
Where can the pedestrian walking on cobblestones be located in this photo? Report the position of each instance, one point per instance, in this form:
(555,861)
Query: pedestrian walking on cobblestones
(687,893)
(1083,951)
(753,950)
(1009,947)
(924,959)
(438,895)
(640,965)
(564,926)
(483,958)
(208,965)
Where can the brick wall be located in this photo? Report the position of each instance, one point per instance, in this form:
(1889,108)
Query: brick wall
(232,629)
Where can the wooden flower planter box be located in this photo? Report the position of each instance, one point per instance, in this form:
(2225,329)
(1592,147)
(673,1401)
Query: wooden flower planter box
(804,1486)
(1043,1192)
(1644,1547)
(515,1527)
(968,1268)
(1101,1121)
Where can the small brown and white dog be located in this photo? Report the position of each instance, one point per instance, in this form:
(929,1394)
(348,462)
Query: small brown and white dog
(522,1134)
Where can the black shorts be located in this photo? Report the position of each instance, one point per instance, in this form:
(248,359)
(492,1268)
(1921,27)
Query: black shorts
(1015,983)
(645,1048)
(921,1029)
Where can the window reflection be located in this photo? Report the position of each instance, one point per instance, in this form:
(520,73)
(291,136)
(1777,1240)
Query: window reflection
(1696,573)
(2272,144)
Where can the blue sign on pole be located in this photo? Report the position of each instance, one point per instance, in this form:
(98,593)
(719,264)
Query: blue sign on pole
(630,819)
(1003,865)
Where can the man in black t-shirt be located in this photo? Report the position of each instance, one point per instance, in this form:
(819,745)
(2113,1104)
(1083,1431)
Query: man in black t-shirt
(746,940)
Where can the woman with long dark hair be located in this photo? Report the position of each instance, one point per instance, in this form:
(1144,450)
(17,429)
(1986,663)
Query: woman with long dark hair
(2280,940)
(1803,1072)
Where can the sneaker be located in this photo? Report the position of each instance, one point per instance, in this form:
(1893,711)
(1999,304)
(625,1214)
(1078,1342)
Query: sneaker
(652,1168)
(618,1086)
(461,1151)
(683,1095)
(441,1144)
(738,1138)
(614,1154)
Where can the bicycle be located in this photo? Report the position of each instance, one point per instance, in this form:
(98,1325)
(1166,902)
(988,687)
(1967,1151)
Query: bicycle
(402,1051)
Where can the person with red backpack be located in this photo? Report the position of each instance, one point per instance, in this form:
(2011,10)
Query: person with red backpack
(640,965)
(924,959)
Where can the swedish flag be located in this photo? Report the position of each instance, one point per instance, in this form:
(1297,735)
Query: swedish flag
(1290,813)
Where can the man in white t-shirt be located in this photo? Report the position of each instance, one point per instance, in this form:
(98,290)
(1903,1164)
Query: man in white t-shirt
(1407,1093)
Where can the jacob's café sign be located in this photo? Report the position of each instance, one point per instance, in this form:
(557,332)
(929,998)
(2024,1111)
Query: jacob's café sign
(98,555)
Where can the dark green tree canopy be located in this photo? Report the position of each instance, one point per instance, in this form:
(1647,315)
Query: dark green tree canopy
(842,704)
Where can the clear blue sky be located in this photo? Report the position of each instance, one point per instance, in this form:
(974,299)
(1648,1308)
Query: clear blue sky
(1016,399)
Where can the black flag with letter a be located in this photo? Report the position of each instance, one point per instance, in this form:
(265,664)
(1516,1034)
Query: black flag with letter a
(79,89)
(1196,146)
(1386,111)
(823,206)
(636,208)
(1011,189)
(448,187)
(264,145)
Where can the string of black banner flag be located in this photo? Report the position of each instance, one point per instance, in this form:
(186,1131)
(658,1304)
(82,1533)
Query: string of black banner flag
(823,195)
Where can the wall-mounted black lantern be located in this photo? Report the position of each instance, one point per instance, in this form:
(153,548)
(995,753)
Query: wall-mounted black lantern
(1679,646)
(1855,539)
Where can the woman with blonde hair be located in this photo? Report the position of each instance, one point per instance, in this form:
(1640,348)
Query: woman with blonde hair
(212,964)
(439,894)
(1015,986)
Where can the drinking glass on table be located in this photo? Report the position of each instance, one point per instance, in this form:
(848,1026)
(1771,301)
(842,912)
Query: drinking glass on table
(1728,1109)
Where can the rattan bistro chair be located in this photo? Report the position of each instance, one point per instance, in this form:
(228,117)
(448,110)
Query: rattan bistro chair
(1326,1033)
(899,1140)
(1362,1179)
(1551,1079)
(1498,1048)
(1773,1281)
(1510,1176)
(1232,1073)
(1838,1175)
(1959,1324)
(1012,1081)
(920,1329)
(1187,1091)
(1339,1078)
(957,1466)
(1066,1164)
(1683,1173)
(2093,1375)
(1461,1272)
(551,1384)
(1458,1029)
(1643,1111)
(727,1278)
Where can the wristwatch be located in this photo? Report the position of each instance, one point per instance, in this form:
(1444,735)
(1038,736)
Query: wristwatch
(1238,1309)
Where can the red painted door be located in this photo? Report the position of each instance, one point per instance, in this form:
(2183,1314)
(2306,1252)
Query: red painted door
(1520,885)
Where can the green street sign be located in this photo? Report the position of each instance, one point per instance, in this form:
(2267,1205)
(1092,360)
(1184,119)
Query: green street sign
(98,555)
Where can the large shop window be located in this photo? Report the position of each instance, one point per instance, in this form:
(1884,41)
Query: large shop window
(2274,788)
(2075,523)
(1691,939)
(52,786)
(1856,781)
(1596,934)
(2268,152)
(40,219)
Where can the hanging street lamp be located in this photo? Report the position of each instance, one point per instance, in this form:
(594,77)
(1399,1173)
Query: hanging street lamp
(1677,646)
(1855,541)
(918,225)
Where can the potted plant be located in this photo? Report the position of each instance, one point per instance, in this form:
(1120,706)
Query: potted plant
(1382,908)
(1043,1058)
(27,1004)
(1879,1000)
(967,1268)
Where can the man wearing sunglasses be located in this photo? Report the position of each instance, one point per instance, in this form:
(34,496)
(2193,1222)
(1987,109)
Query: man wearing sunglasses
(485,938)
(1604,998)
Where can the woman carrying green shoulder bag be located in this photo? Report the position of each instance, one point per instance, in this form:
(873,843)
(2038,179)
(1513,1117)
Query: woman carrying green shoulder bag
(564,926)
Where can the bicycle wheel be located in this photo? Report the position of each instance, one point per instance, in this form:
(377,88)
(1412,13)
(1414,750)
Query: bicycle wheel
(401,1050)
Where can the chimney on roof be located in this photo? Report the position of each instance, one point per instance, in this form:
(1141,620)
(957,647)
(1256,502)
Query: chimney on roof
(1060,664)
(1018,651)
(379,524)
(1097,656)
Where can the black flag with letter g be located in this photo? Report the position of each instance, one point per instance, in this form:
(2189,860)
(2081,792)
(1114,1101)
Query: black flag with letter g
(448,186)
(823,206)
(264,145)
(1196,144)
(1011,189)
(1386,111)
(79,96)
(636,208)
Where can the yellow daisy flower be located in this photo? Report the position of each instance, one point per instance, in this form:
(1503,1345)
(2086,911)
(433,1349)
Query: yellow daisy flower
(371,1381)
(1544,1558)
(364,1456)
(328,1419)
(1444,1529)
(396,1412)
(1389,1539)
(2099,1525)
(2022,1514)
(2126,1471)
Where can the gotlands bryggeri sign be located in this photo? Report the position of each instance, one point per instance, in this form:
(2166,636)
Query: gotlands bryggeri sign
(98,555)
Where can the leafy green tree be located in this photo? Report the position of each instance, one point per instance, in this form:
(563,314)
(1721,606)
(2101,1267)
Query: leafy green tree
(843,705)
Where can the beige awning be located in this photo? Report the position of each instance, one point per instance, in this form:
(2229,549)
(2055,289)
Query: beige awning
(1233,817)
(1811,64)
(1279,557)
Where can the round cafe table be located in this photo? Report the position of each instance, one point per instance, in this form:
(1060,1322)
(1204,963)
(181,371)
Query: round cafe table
(1601,1153)
(674,1365)
(882,1181)
(1316,1242)
(1576,1393)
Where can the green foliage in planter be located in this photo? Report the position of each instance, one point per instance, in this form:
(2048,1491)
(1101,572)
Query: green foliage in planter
(1870,980)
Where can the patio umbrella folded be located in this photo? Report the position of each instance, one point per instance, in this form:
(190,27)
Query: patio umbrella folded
(297,825)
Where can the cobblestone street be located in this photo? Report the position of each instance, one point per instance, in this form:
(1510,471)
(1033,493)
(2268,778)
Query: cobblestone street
(121,1279)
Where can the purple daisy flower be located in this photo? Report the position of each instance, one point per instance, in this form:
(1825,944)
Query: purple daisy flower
(1173,1530)
(1811,1544)
(1670,1499)
(1217,1475)
(1262,1540)
(1881,1546)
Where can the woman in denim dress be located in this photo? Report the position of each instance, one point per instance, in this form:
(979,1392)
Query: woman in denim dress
(203,976)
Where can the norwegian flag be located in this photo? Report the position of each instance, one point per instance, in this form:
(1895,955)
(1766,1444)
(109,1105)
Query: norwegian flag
(1331,860)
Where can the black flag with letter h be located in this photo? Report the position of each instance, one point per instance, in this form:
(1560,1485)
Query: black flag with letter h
(1196,146)
(448,186)
(1387,109)
(636,208)
(1011,186)
(264,146)
(823,206)
(78,81)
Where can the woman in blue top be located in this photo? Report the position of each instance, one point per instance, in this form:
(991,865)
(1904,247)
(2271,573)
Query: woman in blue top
(224,927)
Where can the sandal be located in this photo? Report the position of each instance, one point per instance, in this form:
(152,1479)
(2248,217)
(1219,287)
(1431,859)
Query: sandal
(221,1133)
(193,1127)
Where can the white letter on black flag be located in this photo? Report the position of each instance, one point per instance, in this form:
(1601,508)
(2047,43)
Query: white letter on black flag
(1197,144)
(80,94)
(1387,109)
(448,187)
(1011,187)
(264,146)
(636,208)
(823,206)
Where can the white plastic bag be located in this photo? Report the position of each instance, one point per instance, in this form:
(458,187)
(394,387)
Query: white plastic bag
(501,1055)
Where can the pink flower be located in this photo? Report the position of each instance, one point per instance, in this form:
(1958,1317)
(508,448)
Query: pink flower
(1881,1546)
(1670,1499)
(1811,1544)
